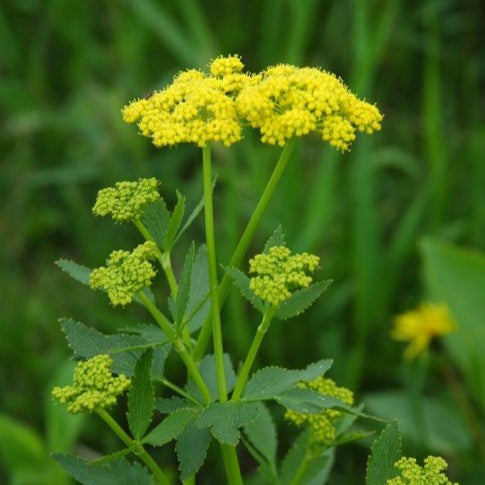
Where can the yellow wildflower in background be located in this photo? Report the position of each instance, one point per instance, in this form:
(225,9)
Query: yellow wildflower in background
(321,424)
(93,386)
(418,327)
(279,273)
(195,108)
(286,101)
(125,273)
(413,474)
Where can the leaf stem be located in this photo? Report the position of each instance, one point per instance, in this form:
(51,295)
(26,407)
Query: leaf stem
(253,350)
(231,464)
(178,344)
(214,284)
(245,240)
(135,446)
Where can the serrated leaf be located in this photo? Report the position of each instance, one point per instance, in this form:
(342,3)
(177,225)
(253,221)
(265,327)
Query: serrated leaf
(191,450)
(87,342)
(347,420)
(120,471)
(184,287)
(171,427)
(276,239)
(308,401)
(141,396)
(155,219)
(208,372)
(294,458)
(169,405)
(174,223)
(318,468)
(242,283)
(271,381)
(74,270)
(198,306)
(300,300)
(261,432)
(386,450)
(225,418)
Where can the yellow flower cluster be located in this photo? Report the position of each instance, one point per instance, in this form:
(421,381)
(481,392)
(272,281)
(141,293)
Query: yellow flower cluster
(279,273)
(125,273)
(286,101)
(413,474)
(126,200)
(93,386)
(282,101)
(323,430)
(195,108)
(419,326)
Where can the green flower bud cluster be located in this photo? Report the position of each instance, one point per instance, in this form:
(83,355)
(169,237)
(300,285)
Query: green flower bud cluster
(126,201)
(323,430)
(279,273)
(125,273)
(93,386)
(413,474)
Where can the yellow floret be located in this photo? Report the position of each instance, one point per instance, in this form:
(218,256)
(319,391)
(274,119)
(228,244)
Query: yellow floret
(125,273)
(278,273)
(413,474)
(93,386)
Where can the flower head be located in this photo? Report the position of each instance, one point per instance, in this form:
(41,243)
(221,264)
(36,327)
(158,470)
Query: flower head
(279,273)
(125,273)
(284,101)
(93,386)
(196,108)
(323,429)
(419,326)
(126,200)
(413,474)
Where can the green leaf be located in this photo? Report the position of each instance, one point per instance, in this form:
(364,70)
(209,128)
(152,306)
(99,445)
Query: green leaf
(171,427)
(155,219)
(86,342)
(397,405)
(308,401)
(21,448)
(191,448)
(141,396)
(174,222)
(208,372)
(261,432)
(276,239)
(456,276)
(271,381)
(167,405)
(242,282)
(184,287)
(74,270)
(294,458)
(300,300)
(318,468)
(351,437)
(225,418)
(198,306)
(386,450)
(120,471)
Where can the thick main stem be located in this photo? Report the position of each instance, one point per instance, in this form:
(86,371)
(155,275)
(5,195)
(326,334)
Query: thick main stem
(135,446)
(214,283)
(178,345)
(245,240)
(253,350)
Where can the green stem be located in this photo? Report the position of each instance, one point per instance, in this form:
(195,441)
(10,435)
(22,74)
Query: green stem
(163,258)
(246,239)
(214,283)
(180,391)
(135,446)
(231,464)
(178,344)
(248,363)
(301,471)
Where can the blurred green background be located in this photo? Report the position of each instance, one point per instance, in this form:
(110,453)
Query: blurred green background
(67,68)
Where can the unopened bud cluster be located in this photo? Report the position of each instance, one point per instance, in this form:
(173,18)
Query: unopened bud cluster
(431,473)
(93,386)
(322,424)
(125,273)
(278,273)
